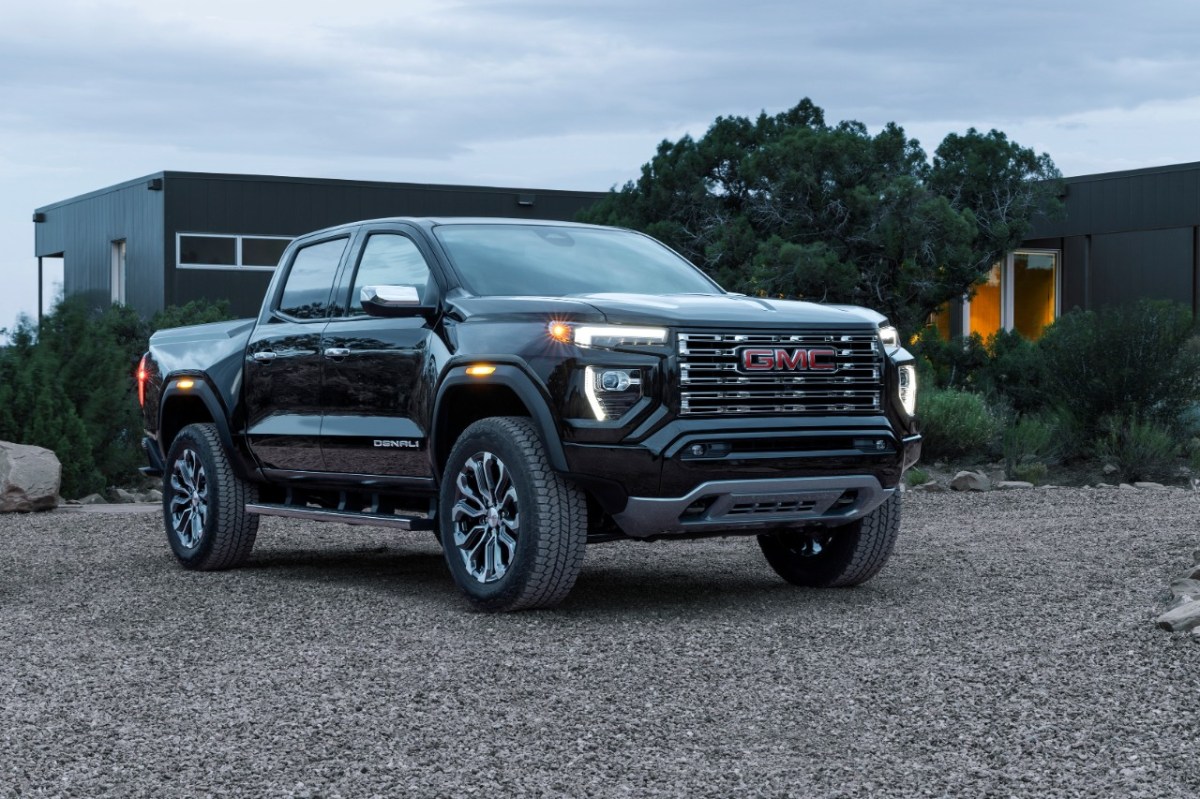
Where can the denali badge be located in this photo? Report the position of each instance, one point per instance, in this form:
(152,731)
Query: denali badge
(778,359)
(404,443)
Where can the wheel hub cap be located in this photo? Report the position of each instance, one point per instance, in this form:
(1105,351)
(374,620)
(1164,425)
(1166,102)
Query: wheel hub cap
(188,505)
(486,517)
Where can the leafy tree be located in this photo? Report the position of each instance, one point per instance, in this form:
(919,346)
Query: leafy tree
(70,387)
(788,205)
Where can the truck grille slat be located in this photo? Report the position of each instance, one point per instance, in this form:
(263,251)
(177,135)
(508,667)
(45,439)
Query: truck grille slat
(711,382)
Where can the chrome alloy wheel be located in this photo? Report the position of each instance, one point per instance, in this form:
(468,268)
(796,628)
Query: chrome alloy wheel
(189,498)
(485,517)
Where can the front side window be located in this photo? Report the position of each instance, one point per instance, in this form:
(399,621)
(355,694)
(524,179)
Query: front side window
(547,260)
(390,259)
(310,281)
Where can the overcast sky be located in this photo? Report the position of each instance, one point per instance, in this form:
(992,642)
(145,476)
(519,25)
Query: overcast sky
(540,94)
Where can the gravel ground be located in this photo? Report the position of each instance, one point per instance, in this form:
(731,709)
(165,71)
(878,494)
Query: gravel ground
(1007,650)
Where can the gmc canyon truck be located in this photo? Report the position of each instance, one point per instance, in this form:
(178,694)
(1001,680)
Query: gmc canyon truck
(523,388)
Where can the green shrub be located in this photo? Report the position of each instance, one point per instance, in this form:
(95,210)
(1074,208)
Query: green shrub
(948,363)
(1012,372)
(1134,362)
(1140,450)
(1031,472)
(1032,439)
(69,386)
(916,477)
(956,423)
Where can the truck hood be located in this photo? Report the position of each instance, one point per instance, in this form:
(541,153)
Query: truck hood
(674,310)
(726,310)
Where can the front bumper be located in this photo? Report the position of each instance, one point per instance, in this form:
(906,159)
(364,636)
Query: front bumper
(747,506)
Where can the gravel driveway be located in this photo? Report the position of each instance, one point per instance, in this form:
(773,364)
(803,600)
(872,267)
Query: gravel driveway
(1007,650)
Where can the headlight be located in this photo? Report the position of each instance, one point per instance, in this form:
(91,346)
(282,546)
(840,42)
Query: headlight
(617,336)
(889,337)
(611,392)
(907,388)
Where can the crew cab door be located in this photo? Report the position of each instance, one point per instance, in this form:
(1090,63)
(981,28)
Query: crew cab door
(376,392)
(284,361)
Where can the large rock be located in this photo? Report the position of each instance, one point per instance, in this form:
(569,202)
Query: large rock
(29,478)
(1181,619)
(971,481)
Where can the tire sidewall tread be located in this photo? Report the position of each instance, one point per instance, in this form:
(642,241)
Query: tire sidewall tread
(230,531)
(552,535)
(856,552)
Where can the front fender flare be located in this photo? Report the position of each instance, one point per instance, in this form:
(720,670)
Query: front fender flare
(521,383)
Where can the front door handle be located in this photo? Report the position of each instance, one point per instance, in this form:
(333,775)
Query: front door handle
(336,352)
(263,356)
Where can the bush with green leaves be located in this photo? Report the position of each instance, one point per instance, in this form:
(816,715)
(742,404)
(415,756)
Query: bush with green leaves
(1133,362)
(955,424)
(1141,450)
(69,386)
(1032,439)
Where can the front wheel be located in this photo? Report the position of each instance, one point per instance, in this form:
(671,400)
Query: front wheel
(831,557)
(204,503)
(513,530)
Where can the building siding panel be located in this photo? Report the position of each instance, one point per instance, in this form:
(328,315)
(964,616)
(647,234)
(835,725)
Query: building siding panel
(84,230)
(1154,264)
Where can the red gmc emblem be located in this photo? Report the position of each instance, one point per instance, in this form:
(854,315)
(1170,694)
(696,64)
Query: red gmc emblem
(778,359)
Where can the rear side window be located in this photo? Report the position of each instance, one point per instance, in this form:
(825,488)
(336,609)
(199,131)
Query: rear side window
(390,259)
(306,292)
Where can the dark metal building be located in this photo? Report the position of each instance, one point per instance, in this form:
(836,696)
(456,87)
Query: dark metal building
(172,237)
(1124,236)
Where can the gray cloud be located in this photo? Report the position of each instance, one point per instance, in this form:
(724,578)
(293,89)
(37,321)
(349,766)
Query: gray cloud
(557,94)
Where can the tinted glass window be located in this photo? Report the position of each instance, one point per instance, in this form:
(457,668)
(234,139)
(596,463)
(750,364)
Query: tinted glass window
(390,260)
(212,250)
(306,292)
(543,260)
(262,252)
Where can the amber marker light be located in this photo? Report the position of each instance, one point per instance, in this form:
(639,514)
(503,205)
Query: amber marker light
(560,332)
(480,369)
(185,384)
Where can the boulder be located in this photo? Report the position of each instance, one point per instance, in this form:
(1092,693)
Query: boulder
(29,478)
(121,495)
(1006,485)
(933,486)
(1148,485)
(971,481)
(93,499)
(1183,586)
(1180,619)
(1109,469)
(153,495)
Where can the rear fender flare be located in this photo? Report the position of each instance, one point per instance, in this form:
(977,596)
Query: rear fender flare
(204,392)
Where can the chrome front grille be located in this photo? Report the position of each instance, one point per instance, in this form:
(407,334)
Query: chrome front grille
(711,382)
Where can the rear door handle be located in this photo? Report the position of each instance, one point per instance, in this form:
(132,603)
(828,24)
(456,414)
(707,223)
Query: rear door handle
(336,352)
(263,356)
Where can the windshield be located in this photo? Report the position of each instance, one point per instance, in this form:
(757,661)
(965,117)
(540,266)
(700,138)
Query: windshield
(550,261)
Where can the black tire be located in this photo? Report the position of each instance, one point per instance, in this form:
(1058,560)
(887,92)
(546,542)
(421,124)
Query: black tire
(835,557)
(534,540)
(204,503)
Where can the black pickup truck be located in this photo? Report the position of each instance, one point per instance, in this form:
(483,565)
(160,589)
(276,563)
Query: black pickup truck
(523,388)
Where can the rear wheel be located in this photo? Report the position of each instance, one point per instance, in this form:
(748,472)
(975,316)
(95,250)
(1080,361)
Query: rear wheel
(838,556)
(204,503)
(513,530)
